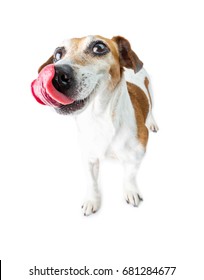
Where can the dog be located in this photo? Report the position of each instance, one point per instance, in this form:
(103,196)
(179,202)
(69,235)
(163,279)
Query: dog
(102,83)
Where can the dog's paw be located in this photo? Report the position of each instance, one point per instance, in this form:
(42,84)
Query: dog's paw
(133,198)
(151,123)
(154,127)
(90,206)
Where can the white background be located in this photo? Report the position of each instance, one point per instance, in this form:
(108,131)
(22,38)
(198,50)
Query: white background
(42,183)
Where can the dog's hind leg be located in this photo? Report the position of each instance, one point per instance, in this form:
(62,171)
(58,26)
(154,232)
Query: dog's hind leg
(150,121)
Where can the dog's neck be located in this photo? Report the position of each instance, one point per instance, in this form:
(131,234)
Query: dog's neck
(108,107)
(105,102)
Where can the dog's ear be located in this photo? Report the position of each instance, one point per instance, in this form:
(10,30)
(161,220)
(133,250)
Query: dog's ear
(127,57)
(49,61)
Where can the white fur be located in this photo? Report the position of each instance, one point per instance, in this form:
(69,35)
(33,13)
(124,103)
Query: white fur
(111,129)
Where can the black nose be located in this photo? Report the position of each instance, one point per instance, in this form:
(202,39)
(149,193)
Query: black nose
(64,78)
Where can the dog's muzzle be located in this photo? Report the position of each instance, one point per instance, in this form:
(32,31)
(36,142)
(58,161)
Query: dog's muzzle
(56,87)
(52,85)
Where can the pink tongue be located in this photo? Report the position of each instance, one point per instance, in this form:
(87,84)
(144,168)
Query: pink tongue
(44,91)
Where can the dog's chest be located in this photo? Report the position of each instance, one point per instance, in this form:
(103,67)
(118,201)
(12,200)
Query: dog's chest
(95,134)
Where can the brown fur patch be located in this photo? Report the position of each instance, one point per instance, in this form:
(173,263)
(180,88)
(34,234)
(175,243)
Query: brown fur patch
(112,45)
(49,61)
(115,68)
(115,76)
(146,82)
(128,57)
(141,106)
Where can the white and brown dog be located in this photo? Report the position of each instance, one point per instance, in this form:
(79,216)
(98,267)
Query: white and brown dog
(112,105)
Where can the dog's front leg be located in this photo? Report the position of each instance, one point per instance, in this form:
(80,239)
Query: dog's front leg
(93,199)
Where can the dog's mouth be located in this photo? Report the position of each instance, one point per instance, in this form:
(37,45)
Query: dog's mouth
(46,94)
(76,106)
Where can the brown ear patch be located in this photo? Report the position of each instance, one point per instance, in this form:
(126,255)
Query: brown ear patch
(49,61)
(141,107)
(128,58)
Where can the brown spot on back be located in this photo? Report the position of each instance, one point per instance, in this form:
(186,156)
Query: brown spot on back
(141,107)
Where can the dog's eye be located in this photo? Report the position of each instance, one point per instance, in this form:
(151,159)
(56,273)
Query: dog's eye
(100,48)
(58,54)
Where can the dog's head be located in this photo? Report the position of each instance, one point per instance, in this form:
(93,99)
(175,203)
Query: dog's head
(82,67)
